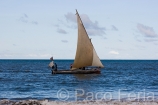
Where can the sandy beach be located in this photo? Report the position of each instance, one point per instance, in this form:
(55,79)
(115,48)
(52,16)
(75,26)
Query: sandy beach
(47,102)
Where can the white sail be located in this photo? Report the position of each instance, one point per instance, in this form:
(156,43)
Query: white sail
(96,61)
(85,53)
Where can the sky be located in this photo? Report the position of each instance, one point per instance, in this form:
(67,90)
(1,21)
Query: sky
(39,29)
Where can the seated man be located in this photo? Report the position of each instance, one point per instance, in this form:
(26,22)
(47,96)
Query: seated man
(83,68)
(55,67)
(71,66)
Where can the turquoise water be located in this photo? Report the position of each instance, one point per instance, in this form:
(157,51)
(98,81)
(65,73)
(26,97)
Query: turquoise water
(32,79)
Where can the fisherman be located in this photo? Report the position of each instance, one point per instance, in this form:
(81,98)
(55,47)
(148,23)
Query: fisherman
(71,66)
(53,65)
(83,68)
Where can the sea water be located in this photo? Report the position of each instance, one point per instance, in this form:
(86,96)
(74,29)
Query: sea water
(120,79)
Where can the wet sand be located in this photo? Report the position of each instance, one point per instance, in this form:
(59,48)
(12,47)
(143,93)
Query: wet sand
(47,102)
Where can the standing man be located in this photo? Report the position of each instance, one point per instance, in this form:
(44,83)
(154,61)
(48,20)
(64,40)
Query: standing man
(53,65)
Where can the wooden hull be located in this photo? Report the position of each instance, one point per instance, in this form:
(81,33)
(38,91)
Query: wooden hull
(79,71)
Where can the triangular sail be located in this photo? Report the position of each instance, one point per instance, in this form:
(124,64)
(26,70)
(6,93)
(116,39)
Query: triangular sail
(85,54)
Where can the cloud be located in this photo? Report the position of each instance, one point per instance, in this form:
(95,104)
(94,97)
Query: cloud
(24,18)
(120,40)
(114,28)
(68,25)
(94,32)
(138,40)
(140,46)
(64,41)
(156,43)
(39,55)
(105,38)
(61,31)
(9,54)
(146,30)
(151,40)
(34,22)
(92,28)
(56,25)
(114,52)
(70,17)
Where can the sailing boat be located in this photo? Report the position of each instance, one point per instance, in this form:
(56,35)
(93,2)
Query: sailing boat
(86,55)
